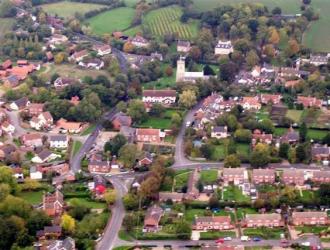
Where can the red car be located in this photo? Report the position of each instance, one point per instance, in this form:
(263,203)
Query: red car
(220,241)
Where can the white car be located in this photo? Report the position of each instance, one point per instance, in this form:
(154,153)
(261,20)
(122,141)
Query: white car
(245,238)
(227,239)
(306,244)
(188,124)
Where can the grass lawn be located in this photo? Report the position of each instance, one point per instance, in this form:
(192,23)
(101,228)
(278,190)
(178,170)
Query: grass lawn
(209,176)
(280,131)
(68,9)
(88,130)
(213,235)
(264,233)
(164,82)
(6,25)
(316,134)
(191,213)
(167,21)
(311,229)
(294,115)
(32,197)
(122,248)
(113,20)
(123,235)
(157,122)
(181,180)
(241,212)
(89,203)
(243,149)
(233,193)
(76,147)
(218,152)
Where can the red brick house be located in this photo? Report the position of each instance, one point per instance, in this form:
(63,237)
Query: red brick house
(308,101)
(49,232)
(149,135)
(120,119)
(234,175)
(174,197)
(261,137)
(99,167)
(152,219)
(32,140)
(212,223)
(6,65)
(270,98)
(263,220)
(251,102)
(321,176)
(263,176)
(293,176)
(36,109)
(309,218)
(320,153)
(53,204)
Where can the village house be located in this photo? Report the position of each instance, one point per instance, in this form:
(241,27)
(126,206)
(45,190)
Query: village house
(192,190)
(79,55)
(92,63)
(59,141)
(49,56)
(145,160)
(251,102)
(289,72)
(36,109)
(67,244)
(6,64)
(223,48)
(309,218)
(263,220)
(36,173)
(152,219)
(99,167)
(60,169)
(174,197)
(140,42)
(6,150)
(219,132)
(234,175)
(62,82)
(308,101)
(53,203)
(57,39)
(43,120)
(212,223)
(7,127)
(320,153)
(121,119)
(49,232)
(32,140)
(20,104)
(290,137)
(70,127)
(270,98)
(102,50)
(319,60)
(322,176)
(183,46)
(44,156)
(261,137)
(262,176)
(293,176)
(11,81)
(165,97)
(149,135)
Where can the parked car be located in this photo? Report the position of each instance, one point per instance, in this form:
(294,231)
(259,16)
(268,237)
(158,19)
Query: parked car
(245,238)
(256,239)
(227,239)
(220,241)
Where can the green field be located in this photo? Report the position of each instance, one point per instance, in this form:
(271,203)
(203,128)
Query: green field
(209,176)
(233,193)
(5,25)
(32,197)
(294,115)
(89,203)
(167,20)
(113,20)
(181,180)
(68,9)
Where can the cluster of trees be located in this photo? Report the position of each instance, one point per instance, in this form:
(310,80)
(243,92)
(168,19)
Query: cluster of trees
(7,9)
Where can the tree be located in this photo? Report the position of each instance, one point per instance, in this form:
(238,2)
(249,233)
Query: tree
(131,201)
(128,155)
(78,209)
(293,47)
(183,229)
(115,144)
(307,2)
(6,177)
(59,58)
(274,36)
(128,47)
(136,110)
(12,205)
(208,71)
(232,161)
(269,50)
(195,53)
(300,153)
(110,196)
(68,223)
(187,99)
(252,58)
(303,132)
(30,184)
(243,135)
(214,202)
(157,110)
(37,221)
(326,139)
(292,155)
(267,126)
(277,11)
(206,151)
(284,150)
(260,156)
(169,71)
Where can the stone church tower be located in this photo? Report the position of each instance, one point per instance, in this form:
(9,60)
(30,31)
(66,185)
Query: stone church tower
(180,69)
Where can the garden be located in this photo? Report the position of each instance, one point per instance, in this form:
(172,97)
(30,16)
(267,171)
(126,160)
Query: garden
(265,232)
(234,193)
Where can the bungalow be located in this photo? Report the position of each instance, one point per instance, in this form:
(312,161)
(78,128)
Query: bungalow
(319,60)
(146,160)
(35,173)
(309,218)
(166,97)
(149,135)
(293,176)
(223,48)
(174,197)
(102,50)
(261,137)
(140,42)
(32,140)
(152,219)
(121,119)
(290,137)
(69,127)
(20,104)
(270,98)
(93,63)
(234,175)
(7,127)
(263,220)
(99,167)
(59,141)
(36,108)
(51,232)
(219,132)
(183,46)
(322,176)
(57,39)
(44,156)
(11,81)
(260,176)
(62,82)
(308,101)
(22,62)
(79,55)
(212,223)
(251,102)
(53,203)
(320,153)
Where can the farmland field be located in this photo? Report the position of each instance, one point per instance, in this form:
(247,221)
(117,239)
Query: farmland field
(5,25)
(167,20)
(68,9)
(113,20)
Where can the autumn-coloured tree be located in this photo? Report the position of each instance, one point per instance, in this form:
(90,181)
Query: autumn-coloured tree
(169,71)
(274,36)
(128,47)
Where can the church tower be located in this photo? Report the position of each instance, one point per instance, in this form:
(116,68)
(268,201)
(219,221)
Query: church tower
(180,69)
